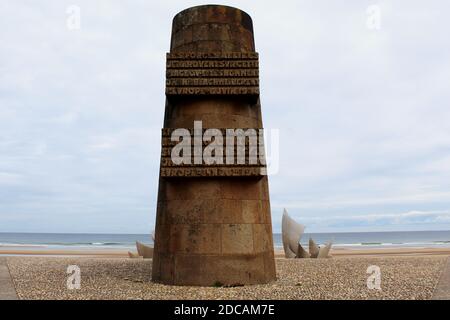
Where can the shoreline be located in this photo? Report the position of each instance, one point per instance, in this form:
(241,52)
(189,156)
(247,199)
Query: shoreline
(337,252)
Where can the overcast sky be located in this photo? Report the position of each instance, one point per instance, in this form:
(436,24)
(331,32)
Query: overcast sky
(363,113)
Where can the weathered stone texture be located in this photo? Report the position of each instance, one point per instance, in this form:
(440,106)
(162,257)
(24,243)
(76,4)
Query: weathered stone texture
(213,229)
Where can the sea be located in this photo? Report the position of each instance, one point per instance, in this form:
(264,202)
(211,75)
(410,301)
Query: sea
(363,240)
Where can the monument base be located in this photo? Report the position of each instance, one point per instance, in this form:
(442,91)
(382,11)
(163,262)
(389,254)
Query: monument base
(214,270)
(213,231)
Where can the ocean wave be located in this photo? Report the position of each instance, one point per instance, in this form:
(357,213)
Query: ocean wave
(110,243)
(393,244)
(66,244)
(15,245)
(69,244)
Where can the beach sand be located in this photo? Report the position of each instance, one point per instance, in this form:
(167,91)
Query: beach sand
(94,253)
(337,252)
(405,274)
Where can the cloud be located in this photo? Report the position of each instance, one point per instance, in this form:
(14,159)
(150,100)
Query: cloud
(332,203)
(8,178)
(363,115)
(413,220)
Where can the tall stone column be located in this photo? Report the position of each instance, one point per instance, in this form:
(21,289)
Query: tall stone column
(213,222)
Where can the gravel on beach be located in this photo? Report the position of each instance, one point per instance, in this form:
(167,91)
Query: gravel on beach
(336,278)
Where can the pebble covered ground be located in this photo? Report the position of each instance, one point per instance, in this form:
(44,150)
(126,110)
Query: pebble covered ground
(336,278)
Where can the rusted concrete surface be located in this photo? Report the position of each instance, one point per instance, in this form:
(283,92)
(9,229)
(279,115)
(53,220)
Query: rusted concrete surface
(210,229)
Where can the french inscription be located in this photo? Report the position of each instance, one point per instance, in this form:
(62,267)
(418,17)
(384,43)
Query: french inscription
(212,91)
(213,64)
(212,74)
(226,82)
(212,55)
(167,132)
(244,155)
(167,142)
(167,162)
(213,172)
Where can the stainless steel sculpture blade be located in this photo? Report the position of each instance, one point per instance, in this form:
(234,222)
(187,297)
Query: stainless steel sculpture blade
(324,251)
(313,248)
(302,253)
(133,255)
(291,234)
(144,251)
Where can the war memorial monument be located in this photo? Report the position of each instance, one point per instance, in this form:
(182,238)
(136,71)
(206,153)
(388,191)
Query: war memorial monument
(213,222)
